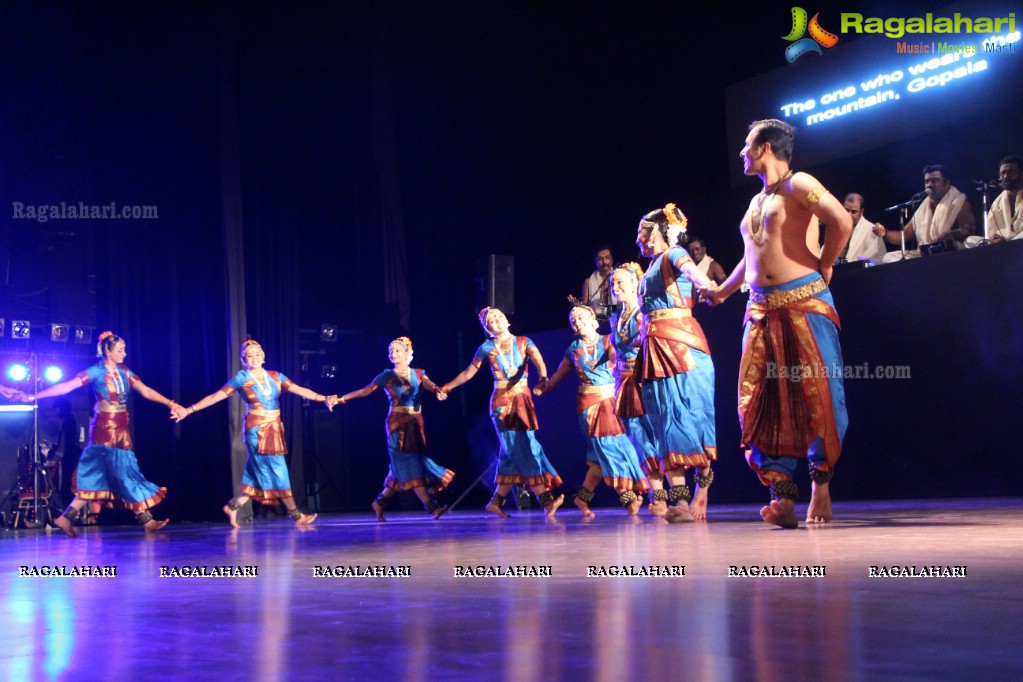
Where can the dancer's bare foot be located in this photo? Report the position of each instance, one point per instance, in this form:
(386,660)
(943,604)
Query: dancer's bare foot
(378,510)
(679,514)
(780,513)
(65,525)
(698,507)
(305,519)
(819,510)
(552,508)
(494,509)
(634,506)
(585,508)
(154,525)
(658,508)
(439,511)
(232,516)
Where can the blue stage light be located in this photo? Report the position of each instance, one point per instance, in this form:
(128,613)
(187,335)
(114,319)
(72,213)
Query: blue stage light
(17,371)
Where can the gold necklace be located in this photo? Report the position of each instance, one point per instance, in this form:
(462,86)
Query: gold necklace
(590,350)
(757,223)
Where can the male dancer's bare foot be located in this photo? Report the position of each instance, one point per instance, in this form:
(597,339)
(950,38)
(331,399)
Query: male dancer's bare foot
(439,511)
(658,508)
(553,506)
(378,510)
(154,525)
(232,516)
(305,519)
(819,510)
(494,509)
(679,514)
(780,513)
(65,525)
(585,508)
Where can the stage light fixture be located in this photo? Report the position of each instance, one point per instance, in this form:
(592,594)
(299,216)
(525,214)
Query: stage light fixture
(53,374)
(328,332)
(17,372)
(59,332)
(21,329)
(82,334)
(1,326)
(328,371)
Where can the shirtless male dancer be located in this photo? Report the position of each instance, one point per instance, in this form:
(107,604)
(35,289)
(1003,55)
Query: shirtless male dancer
(791,397)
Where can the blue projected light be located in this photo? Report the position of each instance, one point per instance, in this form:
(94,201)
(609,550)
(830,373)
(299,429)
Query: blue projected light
(53,374)
(17,371)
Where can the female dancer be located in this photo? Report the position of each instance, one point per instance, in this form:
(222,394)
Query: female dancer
(108,469)
(626,326)
(675,367)
(521,460)
(410,468)
(609,454)
(266,477)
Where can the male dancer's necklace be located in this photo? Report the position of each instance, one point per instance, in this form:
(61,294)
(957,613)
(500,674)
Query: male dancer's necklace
(757,219)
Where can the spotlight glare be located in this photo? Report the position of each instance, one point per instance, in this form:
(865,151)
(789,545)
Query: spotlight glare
(53,374)
(17,372)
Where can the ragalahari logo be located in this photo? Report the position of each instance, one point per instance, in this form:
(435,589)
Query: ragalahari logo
(802,46)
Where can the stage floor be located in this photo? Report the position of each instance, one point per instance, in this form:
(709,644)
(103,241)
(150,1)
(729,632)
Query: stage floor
(827,619)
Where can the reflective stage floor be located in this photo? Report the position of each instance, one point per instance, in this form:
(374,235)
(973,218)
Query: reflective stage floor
(823,617)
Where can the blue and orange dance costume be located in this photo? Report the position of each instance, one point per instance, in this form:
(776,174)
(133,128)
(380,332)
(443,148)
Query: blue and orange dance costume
(675,367)
(266,477)
(410,468)
(108,469)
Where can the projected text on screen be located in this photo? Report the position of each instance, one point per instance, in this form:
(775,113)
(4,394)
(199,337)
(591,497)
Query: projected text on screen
(952,64)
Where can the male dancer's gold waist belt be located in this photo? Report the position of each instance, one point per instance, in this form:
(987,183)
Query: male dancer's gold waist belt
(607,390)
(780,299)
(668,313)
(405,409)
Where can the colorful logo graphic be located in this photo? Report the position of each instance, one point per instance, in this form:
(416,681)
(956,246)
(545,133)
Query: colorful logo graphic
(803,46)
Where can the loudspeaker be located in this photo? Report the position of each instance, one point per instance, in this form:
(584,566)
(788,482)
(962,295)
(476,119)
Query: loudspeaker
(496,283)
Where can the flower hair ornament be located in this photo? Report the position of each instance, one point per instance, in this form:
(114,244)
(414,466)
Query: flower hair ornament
(405,341)
(677,222)
(633,269)
(483,319)
(99,342)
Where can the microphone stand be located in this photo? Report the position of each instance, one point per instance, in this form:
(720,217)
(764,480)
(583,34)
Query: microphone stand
(982,187)
(904,214)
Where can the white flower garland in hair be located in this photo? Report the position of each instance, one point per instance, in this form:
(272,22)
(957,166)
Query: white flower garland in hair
(676,225)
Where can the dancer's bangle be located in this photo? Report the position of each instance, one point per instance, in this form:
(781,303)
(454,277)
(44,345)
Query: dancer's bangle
(321,398)
(192,409)
(171,404)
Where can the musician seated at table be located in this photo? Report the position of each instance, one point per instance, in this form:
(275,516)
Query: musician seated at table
(944,217)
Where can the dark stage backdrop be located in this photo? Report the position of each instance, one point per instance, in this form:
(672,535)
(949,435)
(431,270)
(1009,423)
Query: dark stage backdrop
(360,158)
